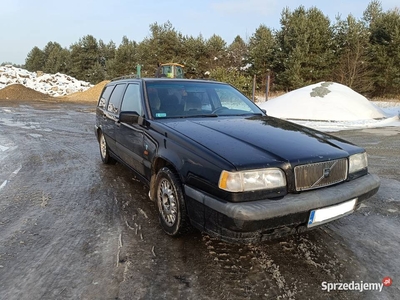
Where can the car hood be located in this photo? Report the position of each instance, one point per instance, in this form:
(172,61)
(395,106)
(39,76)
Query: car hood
(262,141)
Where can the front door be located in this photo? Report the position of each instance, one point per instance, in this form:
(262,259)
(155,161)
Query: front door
(129,137)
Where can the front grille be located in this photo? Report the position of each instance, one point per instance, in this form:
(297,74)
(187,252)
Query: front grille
(312,176)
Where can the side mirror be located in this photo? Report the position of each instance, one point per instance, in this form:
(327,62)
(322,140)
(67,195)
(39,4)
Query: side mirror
(130,117)
(264,110)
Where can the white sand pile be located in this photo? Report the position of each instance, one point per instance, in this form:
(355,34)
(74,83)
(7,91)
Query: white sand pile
(325,101)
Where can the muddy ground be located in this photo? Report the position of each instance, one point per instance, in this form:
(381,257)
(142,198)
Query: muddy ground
(73,228)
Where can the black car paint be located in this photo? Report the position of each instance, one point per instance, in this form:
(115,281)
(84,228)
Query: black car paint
(250,151)
(197,149)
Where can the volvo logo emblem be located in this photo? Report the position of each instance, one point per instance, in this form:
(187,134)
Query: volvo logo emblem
(327,172)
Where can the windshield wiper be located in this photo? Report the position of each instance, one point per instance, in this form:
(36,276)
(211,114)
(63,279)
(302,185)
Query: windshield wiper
(203,116)
(253,114)
(243,115)
(192,116)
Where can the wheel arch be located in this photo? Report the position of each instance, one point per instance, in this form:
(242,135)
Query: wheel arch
(157,165)
(97,132)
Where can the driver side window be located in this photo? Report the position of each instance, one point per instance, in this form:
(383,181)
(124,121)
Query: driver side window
(132,100)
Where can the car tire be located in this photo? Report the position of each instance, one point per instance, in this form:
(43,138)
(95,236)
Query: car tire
(104,151)
(171,203)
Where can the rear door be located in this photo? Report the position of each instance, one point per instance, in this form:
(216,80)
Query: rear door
(111,114)
(129,137)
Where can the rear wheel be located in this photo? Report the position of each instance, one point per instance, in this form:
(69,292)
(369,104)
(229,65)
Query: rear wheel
(104,152)
(171,203)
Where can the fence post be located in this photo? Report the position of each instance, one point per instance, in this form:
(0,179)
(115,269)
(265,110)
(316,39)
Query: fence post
(254,89)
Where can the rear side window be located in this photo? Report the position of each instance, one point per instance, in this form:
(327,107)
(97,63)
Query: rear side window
(115,99)
(105,95)
(132,100)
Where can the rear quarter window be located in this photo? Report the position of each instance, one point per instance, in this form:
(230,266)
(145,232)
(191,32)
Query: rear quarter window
(105,95)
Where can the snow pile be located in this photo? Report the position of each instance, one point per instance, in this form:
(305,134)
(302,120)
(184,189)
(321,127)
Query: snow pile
(332,106)
(51,84)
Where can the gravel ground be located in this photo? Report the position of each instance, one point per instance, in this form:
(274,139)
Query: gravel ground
(73,228)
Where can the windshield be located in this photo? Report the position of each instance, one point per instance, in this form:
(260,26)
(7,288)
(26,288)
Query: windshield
(185,99)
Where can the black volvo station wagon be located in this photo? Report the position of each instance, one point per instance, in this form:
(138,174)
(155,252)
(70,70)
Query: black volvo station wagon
(214,160)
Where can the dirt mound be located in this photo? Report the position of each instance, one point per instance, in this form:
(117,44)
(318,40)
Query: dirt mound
(21,92)
(91,94)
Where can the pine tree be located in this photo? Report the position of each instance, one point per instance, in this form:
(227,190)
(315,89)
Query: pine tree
(125,60)
(305,48)
(194,56)
(84,56)
(106,56)
(162,46)
(35,60)
(261,55)
(351,50)
(384,54)
(57,59)
(216,52)
(237,53)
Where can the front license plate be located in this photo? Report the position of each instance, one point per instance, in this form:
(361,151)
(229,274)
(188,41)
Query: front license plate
(327,214)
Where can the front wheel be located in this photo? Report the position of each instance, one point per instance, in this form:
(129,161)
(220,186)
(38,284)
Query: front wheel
(104,152)
(171,203)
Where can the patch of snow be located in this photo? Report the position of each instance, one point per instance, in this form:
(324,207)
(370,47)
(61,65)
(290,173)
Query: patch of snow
(3,184)
(246,67)
(51,84)
(3,148)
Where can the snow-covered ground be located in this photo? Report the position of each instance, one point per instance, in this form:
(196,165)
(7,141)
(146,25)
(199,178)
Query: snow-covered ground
(331,106)
(52,84)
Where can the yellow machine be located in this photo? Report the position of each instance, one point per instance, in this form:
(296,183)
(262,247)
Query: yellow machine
(170,70)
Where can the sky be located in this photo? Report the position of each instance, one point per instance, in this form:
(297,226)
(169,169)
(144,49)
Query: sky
(25,24)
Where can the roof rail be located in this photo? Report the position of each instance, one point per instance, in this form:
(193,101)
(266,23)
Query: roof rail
(125,77)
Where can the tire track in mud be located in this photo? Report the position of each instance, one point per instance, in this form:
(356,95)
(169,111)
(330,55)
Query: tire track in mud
(271,270)
(249,271)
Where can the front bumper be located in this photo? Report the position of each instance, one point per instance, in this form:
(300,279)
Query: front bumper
(260,220)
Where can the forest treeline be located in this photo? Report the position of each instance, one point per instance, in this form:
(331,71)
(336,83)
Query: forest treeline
(363,54)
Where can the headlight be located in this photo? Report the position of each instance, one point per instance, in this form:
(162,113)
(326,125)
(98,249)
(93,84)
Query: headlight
(357,162)
(252,180)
